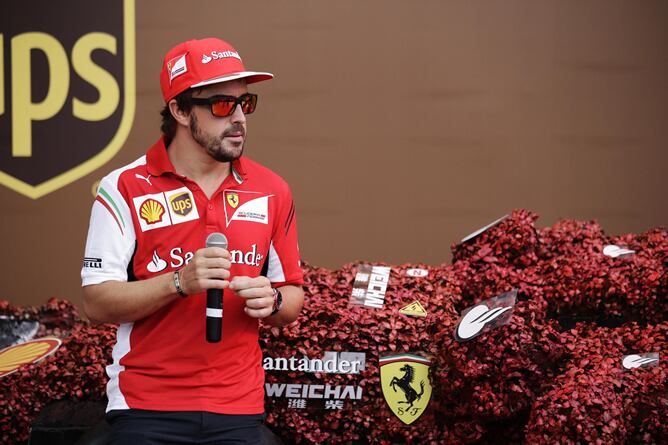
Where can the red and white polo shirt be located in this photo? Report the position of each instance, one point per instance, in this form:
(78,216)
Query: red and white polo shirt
(148,220)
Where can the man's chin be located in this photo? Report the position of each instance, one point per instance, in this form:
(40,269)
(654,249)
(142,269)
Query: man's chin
(227,155)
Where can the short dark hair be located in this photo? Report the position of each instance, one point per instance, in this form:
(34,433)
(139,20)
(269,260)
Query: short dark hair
(184,102)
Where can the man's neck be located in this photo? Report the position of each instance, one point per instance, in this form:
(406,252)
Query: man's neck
(192,161)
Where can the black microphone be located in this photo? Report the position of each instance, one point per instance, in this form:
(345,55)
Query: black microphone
(214,297)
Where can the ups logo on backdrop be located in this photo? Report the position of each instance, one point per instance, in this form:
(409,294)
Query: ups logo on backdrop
(67,90)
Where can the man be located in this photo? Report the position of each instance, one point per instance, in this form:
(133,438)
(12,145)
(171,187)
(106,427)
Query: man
(147,267)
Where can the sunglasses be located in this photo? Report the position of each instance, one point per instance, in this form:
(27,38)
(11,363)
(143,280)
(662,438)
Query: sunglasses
(223,106)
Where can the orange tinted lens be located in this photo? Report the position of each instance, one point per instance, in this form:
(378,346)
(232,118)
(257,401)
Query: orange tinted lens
(223,107)
(248,103)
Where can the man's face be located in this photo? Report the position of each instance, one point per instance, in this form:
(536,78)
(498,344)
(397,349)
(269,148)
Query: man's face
(222,137)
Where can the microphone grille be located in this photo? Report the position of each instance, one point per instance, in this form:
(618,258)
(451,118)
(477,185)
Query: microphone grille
(216,239)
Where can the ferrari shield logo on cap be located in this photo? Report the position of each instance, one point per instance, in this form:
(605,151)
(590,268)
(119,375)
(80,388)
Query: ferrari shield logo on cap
(67,93)
(405,383)
(177,66)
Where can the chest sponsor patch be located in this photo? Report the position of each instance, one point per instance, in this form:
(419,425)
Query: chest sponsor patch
(182,206)
(165,209)
(246,206)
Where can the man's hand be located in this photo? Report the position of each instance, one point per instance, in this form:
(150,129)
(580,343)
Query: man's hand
(258,295)
(209,268)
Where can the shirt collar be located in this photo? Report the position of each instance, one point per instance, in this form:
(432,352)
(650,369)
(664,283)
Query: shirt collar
(158,162)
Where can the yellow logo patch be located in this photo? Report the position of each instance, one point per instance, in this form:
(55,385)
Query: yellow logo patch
(233,200)
(151,211)
(415,309)
(406,387)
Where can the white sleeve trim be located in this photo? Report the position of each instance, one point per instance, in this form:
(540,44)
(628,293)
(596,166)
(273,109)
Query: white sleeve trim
(121,348)
(275,270)
(111,235)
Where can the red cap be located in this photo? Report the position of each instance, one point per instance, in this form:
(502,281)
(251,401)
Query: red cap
(196,63)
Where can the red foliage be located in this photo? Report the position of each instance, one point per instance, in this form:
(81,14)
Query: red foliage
(539,379)
(512,242)
(75,371)
(595,400)
(580,280)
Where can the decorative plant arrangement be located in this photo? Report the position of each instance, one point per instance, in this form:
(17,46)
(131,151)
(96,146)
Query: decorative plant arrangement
(547,368)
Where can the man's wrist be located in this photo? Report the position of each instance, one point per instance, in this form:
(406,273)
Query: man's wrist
(177,283)
(278,301)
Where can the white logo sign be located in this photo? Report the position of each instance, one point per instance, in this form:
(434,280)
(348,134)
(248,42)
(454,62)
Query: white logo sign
(615,251)
(418,273)
(487,314)
(477,318)
(250,258)
(215,55)
(157,264)
(206,59)
(370,286)
(299,391)
(147,178)
(332,362)
(179,258)
(640,360)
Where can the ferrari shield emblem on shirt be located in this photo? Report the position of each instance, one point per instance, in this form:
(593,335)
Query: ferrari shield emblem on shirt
(233,200)
(246,205)
(67,94)
(406,387)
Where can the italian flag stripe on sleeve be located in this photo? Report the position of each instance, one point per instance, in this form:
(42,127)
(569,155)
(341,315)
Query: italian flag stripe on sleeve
(104,199)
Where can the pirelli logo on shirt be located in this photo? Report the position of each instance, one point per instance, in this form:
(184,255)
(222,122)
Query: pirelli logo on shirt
(165,209)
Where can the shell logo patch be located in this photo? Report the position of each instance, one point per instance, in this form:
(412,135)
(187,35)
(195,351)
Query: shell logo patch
(151,211)
(13,357)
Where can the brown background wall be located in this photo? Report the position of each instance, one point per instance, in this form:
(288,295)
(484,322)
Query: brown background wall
(404,126)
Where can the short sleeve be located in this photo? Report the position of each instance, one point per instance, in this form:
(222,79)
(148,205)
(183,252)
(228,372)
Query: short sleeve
(111,237)
(284,266)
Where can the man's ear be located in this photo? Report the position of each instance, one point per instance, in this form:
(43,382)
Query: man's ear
(181,117)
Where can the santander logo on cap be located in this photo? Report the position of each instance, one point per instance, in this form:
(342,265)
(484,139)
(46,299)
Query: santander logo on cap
(215,55)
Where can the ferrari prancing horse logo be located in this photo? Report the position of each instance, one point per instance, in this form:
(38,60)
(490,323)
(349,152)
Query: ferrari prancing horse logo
(405,384)
(233,200)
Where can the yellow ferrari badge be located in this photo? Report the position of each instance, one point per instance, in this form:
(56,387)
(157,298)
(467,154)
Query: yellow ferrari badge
(406,387)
